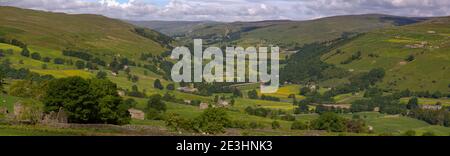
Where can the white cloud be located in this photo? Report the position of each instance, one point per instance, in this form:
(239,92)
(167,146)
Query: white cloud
(234,10)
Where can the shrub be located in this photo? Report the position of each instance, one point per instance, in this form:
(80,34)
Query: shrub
(36,56)
(299,125)
(153,114)
(46,59)
(410,133)
(429,133)
(101,75)
(58,61)
(157,84)
(171,86)
(330,122)
(155,102)
(212,121)
(276,125)
(25,52)
(80,64)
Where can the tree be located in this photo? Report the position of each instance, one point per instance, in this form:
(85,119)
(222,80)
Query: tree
(410,133)
(131,102)
(2,82)
(429,133)
(87,101)
(58,61)
(304,91)
(36,56)
(276,125)
(171,86)
(101,75)
(299,125)
(157,84)
(155,102)
(410,58)
(330,122)
(237,93)
(25,52)
(212,121)
(413,103)
(80,64)
(302,108)
(46,59)
(253,94)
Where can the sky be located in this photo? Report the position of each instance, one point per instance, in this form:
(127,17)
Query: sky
(236,10)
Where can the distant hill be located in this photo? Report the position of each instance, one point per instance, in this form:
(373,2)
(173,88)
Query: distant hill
(174,28)
(94,33)
(288,34)
(302,32)
(415,56)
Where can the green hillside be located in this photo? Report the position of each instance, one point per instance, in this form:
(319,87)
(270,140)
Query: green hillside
(302,32)
(415,56)
(174,28)
(56,31)
(291,34)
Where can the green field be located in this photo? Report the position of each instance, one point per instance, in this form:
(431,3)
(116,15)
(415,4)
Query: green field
(390,47)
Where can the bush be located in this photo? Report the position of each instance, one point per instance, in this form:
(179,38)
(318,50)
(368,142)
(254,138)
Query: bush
(155,102)
(212,121)
(101,75)
(153,114)
(31,112)
(410,133)
(356,126)
(36,56)
(276,125)
(157,84)
(253,94)
(58,61)
(46,59)
(25,52)
(410,58)
(429,133)
(330,122)
(176,122)
(299,125)
(80,64)
(171,86)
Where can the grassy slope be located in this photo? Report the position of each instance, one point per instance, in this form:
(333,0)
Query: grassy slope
(174,28)
(288,34)
(315,30)
(429,71)
(56,31)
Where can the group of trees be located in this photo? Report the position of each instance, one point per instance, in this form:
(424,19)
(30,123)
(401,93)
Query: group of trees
(20,74)
(387,104)
(87,101)
(155,107)
(354,57)
(269,113)
(306,65)
(434,117)
(332,122)
(253,94)
(136,93)
(208,89)
(211,121)
(423,94)
(84,56)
